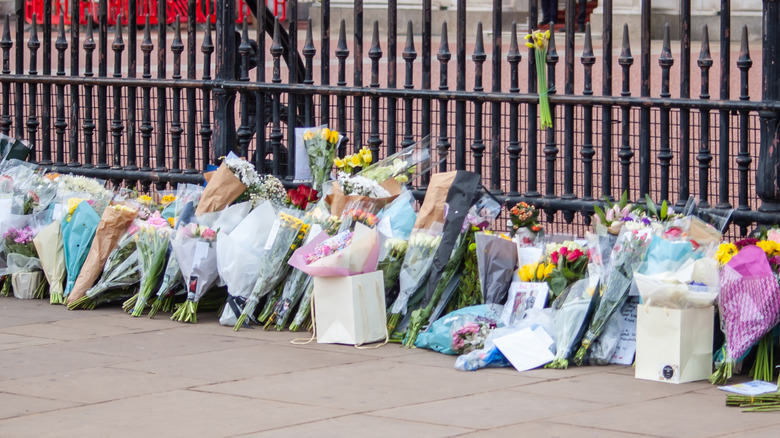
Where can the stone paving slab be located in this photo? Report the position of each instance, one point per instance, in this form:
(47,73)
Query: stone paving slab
(103,373)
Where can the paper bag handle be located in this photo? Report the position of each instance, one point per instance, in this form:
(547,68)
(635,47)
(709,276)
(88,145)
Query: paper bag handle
(304,341)
(361,346)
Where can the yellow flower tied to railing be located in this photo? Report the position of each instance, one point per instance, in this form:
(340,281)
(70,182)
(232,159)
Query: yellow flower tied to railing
(538,41)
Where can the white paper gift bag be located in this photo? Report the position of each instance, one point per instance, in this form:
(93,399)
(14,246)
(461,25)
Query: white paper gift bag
(350,310)
(674,345)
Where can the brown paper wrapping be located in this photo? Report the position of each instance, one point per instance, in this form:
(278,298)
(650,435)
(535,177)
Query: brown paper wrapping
(223,188)
(113,225)
(703,233)
(338,200)
(432,209)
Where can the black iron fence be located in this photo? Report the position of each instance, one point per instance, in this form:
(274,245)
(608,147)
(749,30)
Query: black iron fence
(165,123)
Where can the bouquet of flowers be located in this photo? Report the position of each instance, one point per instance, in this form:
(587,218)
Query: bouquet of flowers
(349,164)
(19,241)
(23,264)
(225,185)
(627,255)
(395,226)
(479,218)
(749,304)
(570,320)
(121,270)
(470,334)
(196,252)
(449,256)
(152,240)
(78,230)
(80,187)
(113,224)
(301,197)
(171,279)
(361,186)
(539,41)
(402,165)
(523,223)
(239,253)
(359,211)
(616,215)
(424,242)
(287,233)
(320,217)
(294,287)
(571,264)
(48,245)
(37,193)
(417,264)
(321,144)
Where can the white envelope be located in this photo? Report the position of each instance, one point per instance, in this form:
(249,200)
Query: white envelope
(526,349)
(350,310)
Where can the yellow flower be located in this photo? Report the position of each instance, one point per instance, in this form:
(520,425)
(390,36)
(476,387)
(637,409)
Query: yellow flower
(122,207)
(308,135)
(338,162)
(530,45)
(769,247)
(145,199)
(172,221)
(725,252)
(73,203)
(540,271)
(333,138)
(324,133)
(354,160)
(548,270)
(526,272)
(167,199)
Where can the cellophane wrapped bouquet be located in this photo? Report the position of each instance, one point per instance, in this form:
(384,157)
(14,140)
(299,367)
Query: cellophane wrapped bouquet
(239,256)
(24,267)
(627,255)
(749,300)
(152,240)
(321,144)
(196,252)
(286,235)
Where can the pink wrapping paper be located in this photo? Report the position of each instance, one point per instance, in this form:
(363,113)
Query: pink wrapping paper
(325,266)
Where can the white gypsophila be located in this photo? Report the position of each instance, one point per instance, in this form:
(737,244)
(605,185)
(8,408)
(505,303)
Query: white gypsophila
(243,170)
(359,185)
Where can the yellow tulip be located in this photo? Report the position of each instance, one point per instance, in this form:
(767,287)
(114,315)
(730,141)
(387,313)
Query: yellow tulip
(550,268)
(333,137)
(540,271)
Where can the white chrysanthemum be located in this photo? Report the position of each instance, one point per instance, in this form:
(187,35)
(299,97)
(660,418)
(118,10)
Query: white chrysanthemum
(359,185)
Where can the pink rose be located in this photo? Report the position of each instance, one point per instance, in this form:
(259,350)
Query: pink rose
(773,235)
(208,234)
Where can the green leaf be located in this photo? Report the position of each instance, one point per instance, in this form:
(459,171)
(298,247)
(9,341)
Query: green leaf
(664,209)
(651,206)
(623,200)
(600,213)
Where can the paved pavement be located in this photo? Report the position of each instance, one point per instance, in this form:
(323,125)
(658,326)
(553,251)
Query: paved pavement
(103,373)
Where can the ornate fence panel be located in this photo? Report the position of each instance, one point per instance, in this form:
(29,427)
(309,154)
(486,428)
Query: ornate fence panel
(85,105)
